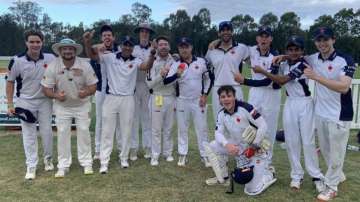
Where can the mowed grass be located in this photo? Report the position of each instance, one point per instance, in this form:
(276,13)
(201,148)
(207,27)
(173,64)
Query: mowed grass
(141,182)
(4,64)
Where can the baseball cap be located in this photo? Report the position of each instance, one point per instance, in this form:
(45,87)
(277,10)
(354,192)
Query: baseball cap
(127,40)
(225,24)
(325,32)
(264,30)
(184,41)
(297,41)
(25,115)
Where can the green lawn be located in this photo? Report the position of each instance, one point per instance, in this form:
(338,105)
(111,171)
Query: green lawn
(141,182)
(4,63)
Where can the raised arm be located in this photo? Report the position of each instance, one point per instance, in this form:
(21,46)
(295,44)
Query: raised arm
(91,52)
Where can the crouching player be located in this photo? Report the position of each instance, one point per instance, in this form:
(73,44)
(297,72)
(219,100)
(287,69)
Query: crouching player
(235,134)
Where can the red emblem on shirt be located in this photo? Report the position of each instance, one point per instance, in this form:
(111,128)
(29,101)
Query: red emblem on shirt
(130,66)
(232,52)
(330,68)
(45,66)
(196,67)
(238,119)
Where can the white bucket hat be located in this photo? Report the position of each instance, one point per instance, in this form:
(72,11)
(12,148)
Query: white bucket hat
(67,42)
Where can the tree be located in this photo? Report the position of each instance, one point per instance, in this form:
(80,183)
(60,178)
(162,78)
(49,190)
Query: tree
(11,36)
(270,20)
(344,20)
(201,24)
(141,12)
(27,13)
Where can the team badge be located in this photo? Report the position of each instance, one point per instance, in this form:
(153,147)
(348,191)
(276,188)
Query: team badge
(232,52)
(238,119)
(196,67)
(45,66)
(130,66)
(330,68)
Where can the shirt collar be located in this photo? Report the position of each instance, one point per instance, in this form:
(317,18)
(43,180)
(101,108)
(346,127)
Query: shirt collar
(114,48)
(331,57)
(237,104)
(266,54)
(225,51)
(75,63)
(192,60)
(146,46)
(119,56)
(28,58)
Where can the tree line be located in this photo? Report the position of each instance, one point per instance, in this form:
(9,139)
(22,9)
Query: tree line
(23,15)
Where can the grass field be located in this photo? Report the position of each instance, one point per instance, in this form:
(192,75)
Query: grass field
(3,64)
(141,182)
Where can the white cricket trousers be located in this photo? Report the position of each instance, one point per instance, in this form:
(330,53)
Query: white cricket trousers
(298,122)
(267,102)
(99,98)
(186,109)
(141,117)
(64,116)
(216,106)
(333,138)
(122,108)
(261,173)
(162,119)
(42,110)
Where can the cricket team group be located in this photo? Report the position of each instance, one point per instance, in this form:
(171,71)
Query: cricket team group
(142,85)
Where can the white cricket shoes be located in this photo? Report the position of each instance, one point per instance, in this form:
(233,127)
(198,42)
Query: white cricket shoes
(61,172)
(49,166)
(147,154)
(133,155)
(182,160)
(88,170)
(170,158)
(295,184)
(124,163)
(327,195)
(154,161)
(214,181)
(30,173)
(104,169)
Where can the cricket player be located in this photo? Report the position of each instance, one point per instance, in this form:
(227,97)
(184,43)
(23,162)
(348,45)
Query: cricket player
(194,80)
(226,57)
(142,95)
(121,72)
(230,140)
(26,71)
(264,95)
(108,44)
(162,102)
(70,81)
(332,72)
(298,114)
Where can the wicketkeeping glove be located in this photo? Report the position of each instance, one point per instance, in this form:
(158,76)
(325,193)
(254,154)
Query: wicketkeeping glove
(249,134)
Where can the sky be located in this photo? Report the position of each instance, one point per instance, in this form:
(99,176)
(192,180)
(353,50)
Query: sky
(88,11)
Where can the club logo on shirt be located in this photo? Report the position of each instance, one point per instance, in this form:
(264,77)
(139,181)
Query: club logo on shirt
(330,68)
(196,67)
(45,66)
(232,52)
(130,66)
(238,119)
